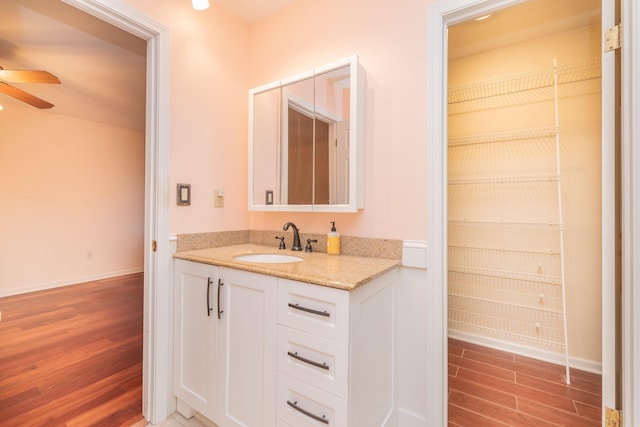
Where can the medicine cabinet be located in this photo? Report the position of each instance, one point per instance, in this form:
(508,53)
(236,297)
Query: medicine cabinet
(306,141)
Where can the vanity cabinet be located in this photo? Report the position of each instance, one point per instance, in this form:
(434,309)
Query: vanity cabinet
(225,337)
(267,351)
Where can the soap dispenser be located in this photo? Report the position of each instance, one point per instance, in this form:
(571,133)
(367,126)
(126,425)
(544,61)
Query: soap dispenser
(333,240)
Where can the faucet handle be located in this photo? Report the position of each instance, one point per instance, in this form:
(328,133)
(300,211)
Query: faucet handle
(309,248)
(282,246)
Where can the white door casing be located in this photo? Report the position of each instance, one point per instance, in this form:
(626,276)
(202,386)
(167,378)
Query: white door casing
(630,212)
(157,399)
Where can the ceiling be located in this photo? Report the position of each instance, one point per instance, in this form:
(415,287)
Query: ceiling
(526,21)
(253,10)
(102,68)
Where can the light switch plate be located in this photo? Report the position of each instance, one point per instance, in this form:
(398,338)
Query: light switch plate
(218,196)
(183,195)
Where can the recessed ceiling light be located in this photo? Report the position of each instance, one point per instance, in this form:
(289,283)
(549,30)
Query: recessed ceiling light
(200,4)
(482,18)
(1,107)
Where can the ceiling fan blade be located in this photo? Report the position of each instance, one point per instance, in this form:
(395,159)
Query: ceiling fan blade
(28,76)
(24,96)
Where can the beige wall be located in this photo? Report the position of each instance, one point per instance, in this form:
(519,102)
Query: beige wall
(209,104)
(391,44)
(73,200)
(579,115)
(216,58)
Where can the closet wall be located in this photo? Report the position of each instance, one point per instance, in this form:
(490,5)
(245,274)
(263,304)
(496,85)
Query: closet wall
(509,233)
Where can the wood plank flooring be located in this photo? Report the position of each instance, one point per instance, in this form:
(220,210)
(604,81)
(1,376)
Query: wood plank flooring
(488,387)
(72,356)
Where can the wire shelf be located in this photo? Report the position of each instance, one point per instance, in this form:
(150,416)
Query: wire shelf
(548,337)
(515,275)
(516,83)
(502,137)
(536,264)
(506,290)
(505,179)
(499,223)
(514,322)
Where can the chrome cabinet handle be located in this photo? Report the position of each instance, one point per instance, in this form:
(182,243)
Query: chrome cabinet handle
(310,310)
(220,285)
(208,303)
(323,419)
(308,361)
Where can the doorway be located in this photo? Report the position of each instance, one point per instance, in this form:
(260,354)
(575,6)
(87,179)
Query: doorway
(524,203)
(441,16)
(307,158)
(157,339)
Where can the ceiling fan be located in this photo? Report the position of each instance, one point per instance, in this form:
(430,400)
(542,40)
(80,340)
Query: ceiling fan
(26,76)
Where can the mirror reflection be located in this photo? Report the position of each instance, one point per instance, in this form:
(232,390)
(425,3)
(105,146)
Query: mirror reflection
(298,143)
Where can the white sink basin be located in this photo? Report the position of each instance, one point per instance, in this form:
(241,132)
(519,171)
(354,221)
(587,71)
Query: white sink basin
(268,258)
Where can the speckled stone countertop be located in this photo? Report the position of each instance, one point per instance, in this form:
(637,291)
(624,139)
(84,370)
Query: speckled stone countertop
(342,272)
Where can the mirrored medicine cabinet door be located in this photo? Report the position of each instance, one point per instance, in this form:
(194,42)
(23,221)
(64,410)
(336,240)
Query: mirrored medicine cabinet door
(305,141)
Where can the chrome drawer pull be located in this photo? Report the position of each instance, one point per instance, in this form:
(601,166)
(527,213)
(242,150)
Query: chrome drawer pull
(310,362)
(323,419)
(310,310)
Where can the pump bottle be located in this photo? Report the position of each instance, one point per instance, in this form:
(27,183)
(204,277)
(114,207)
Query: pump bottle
(333,240)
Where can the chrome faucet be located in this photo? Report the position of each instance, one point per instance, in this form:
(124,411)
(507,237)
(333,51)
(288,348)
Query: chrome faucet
(295,246)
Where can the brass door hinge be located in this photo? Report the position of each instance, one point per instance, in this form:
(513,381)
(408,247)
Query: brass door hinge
(154,246)
(613,38)
(613,417)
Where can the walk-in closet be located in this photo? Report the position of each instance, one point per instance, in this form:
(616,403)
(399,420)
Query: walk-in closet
(524,185)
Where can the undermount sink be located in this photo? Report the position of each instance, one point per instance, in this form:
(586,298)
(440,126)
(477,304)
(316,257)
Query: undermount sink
(268,258)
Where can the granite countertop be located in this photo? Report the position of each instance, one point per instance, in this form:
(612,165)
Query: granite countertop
(341,272)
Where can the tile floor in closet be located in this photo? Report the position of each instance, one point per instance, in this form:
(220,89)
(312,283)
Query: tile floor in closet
(488,387)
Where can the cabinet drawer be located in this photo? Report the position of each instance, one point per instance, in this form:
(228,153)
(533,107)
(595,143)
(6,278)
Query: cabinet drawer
(318,310)
(314,360)
(303,405)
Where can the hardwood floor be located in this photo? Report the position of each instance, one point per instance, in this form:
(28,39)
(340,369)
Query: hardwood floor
(72,356)
(493,388)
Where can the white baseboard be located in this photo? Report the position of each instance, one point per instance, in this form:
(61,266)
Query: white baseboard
(67,282)
(410,419)
(534,353)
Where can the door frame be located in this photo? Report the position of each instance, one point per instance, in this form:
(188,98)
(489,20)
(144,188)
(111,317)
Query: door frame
(630,114)
(156,364)
(449,12)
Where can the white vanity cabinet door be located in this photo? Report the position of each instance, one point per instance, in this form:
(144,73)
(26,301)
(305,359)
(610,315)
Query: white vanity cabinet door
(195,336)
(248,343)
